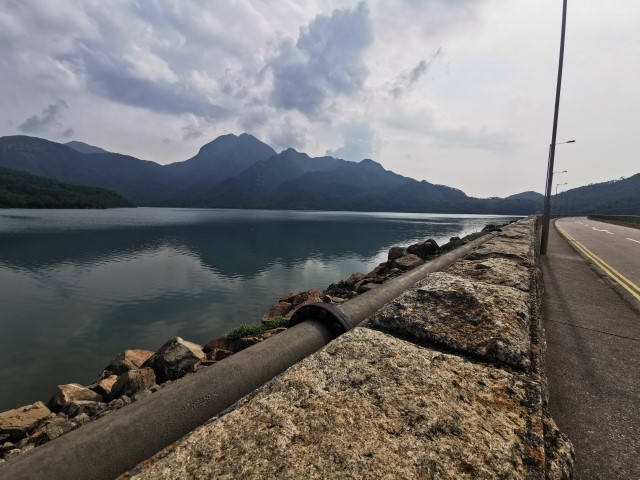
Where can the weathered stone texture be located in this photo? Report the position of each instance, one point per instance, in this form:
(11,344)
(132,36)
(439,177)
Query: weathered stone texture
(128,360)
(16,423)
(424,250)
(498,271)
(133,381)
(64,395)
(174,359)
(104,385)
(408,261)
(371,406)
(474,318)
(514,244)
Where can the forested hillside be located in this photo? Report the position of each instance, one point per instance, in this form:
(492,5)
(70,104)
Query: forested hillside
(23,190)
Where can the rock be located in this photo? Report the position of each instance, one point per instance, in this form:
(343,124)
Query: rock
(133,381)
(103,386)
(560,456)
(353,279)
(58,427)
(117,403)
(326,299)
(408,262)
(87,407)
(475,318)
(63,395)
(491,228)
(218,354)
(336,291)
(174,359)
(337,300)
(82,419)
(453,243)
(128,360)
(498,271)
(6,446)
(424,250)
(19,422)
(12,454)
(396,252)
(278,310)
(382,268)
(288,297)
(366,287)
(305,298)
(519,250)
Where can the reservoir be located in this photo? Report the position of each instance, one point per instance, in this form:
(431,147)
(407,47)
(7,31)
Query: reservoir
(78,287)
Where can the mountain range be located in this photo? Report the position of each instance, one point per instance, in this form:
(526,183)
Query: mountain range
(243,172)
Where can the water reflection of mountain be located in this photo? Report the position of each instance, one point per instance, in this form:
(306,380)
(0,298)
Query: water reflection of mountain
(231,248)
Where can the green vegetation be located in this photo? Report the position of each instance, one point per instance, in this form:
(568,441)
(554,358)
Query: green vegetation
(257,328)
(23,190)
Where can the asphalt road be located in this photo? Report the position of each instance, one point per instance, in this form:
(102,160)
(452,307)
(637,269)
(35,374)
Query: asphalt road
(593,349)
(613,249)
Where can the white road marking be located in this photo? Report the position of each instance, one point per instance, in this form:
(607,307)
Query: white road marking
(637,241)
(598,230)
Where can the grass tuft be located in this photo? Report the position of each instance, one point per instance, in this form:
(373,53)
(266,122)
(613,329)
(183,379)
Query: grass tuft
(257,328)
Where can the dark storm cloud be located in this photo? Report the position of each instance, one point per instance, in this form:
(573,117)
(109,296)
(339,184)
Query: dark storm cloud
(326,60)
(41,123)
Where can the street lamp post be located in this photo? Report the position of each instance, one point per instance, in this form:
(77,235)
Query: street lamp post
(552,148)
(555,198)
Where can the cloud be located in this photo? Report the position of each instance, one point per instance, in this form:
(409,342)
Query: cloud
(403,83)
(326,60)
(111,77)
(289,132)
(49,116)
(359,142)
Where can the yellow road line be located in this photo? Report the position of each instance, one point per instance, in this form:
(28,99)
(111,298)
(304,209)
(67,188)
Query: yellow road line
(620,279)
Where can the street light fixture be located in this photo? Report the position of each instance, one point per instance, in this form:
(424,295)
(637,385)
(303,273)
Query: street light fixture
(560,184)
(555,198)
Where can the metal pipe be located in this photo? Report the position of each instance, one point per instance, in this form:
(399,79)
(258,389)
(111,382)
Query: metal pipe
(111,445)
(355,311)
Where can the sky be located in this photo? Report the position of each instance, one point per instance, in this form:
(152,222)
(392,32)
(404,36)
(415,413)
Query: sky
(455,92)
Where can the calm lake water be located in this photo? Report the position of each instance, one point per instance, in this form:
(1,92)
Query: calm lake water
(79,286)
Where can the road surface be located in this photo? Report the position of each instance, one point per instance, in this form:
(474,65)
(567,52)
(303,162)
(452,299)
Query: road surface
(613,249)
(593,346)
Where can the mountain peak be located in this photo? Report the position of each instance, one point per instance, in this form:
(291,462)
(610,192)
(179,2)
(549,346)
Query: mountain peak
(367,162)
(231,141)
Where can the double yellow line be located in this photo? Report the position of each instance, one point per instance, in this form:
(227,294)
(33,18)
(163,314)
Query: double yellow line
(620,279)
